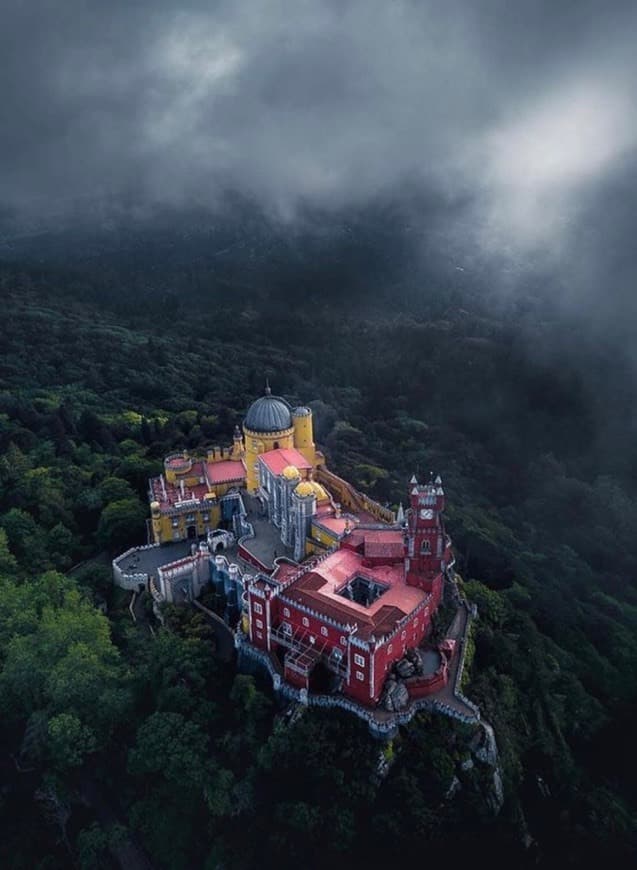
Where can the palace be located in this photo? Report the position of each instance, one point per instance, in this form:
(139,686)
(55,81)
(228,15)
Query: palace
(331,591)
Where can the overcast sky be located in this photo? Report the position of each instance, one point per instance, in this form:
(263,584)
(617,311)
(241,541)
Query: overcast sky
(523,110)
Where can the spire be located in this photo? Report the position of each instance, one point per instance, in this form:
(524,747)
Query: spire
(413,479)
(268,391)
(400,514)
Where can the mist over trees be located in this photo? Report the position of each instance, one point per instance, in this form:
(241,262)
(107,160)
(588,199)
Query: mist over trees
(105,371)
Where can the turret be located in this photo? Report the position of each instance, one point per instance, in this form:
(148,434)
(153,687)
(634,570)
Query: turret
(237,444)
(303,433)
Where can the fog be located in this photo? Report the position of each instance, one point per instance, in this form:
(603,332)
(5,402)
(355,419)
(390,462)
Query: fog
(518,119)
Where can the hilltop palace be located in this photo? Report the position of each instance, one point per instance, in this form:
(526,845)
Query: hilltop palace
(327,590)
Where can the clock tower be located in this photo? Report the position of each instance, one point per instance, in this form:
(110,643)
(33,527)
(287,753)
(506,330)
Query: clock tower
(425,540)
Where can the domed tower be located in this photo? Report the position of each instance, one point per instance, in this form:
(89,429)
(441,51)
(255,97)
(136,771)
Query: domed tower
(303,434)
(303,509)
(267,426)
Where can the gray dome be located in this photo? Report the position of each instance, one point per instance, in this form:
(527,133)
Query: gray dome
(268,414)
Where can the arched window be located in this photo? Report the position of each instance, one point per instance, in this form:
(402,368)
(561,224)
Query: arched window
(275,446)
(425,548)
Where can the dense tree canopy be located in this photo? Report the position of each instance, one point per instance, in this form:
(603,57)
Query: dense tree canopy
(197,761)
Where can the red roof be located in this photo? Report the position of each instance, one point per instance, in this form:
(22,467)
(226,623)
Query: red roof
(384,544)
(225,471)
(319,588)
(277,460)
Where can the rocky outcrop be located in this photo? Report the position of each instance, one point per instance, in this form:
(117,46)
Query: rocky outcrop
(396,696)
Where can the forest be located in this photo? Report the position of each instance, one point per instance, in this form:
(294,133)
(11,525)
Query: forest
(120,741)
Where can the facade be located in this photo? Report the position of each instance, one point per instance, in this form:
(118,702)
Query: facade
(344,620)
(196,494)
(333,591)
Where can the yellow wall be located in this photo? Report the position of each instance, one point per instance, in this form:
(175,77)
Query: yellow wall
(260,442)
(328,539)
(304,437)
(163,530)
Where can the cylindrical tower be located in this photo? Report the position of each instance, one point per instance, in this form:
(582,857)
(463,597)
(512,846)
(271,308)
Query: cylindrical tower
(304,508)
(155,513)
(303,433)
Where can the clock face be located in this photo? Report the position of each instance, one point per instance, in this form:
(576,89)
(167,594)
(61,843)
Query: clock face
(426,514)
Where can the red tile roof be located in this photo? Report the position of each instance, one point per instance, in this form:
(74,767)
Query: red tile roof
(225,471)
(277,460)
(319,589)
(384,544)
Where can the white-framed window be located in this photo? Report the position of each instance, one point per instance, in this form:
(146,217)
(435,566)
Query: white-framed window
(260,635)
(323,631)
(343,640)
(259,623)
(416,621)
(306,622)
(403,635)
(258,608)
(390,649)
(287,628)
(360,675)
(286,611)
(359,660)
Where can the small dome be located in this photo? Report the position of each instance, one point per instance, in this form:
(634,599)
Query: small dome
(301,412)
(290,472)
(268,414)
(319,491)
(304,489)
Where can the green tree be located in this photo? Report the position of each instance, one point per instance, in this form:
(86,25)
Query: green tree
(121,524)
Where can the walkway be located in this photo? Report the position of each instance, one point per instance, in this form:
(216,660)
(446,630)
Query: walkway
(224,636)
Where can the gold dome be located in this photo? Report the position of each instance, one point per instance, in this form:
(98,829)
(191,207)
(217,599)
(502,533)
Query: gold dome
(290,472)
(319,491)
(304,489)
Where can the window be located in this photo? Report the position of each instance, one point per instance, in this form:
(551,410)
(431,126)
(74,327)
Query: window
(425,548)
(390,649)
(323,631)
(260,635)
(205,517)
(360,675)
(258,607)
(343,640)
(175,523)
(359,660)
(403,635)
(259,623)
(287,628)
(416,621)
(286,611)
(306,622)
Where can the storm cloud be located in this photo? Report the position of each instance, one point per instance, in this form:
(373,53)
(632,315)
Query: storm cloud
(524,112)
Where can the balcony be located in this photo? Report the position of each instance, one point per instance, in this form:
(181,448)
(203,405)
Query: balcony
(302,655)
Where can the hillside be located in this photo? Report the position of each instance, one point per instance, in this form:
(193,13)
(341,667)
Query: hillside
(107,365)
